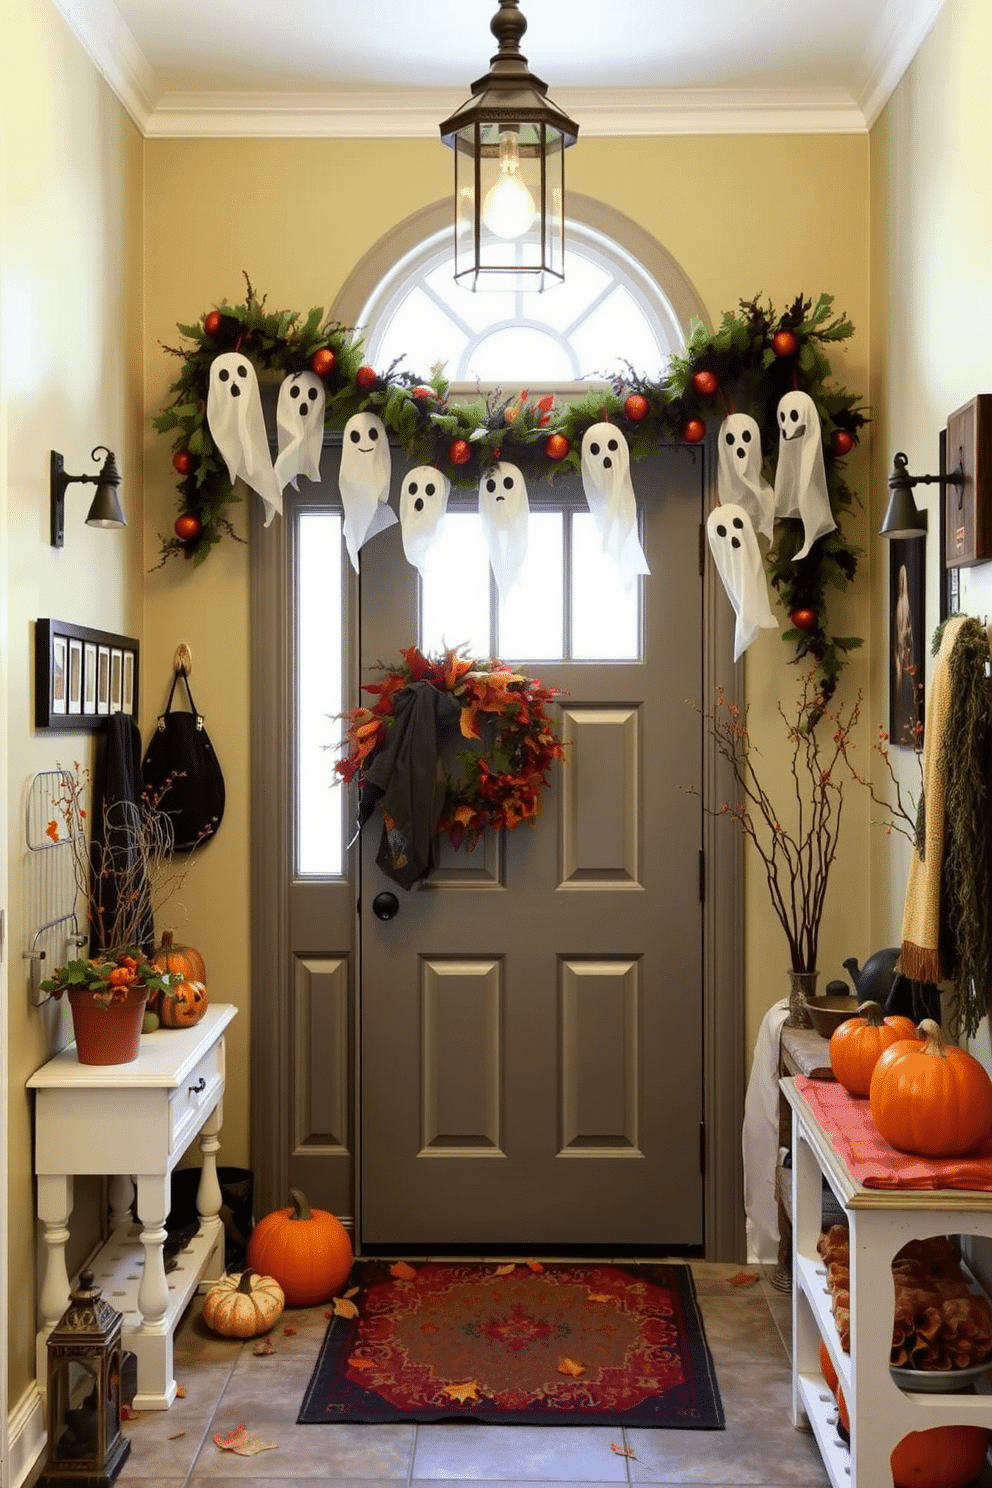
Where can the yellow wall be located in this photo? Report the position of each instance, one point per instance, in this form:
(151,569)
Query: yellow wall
(70,208)
(297,216)
(932,307)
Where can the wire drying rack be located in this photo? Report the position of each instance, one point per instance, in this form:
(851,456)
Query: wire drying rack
(51,892)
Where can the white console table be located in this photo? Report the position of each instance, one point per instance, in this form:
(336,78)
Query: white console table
(880,1221)
(133,1122)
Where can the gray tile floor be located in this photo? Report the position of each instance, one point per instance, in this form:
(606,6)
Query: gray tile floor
(227,1385)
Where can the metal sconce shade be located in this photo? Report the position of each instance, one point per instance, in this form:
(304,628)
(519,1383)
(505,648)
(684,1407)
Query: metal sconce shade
(903,517)
(509,141)
(105,509)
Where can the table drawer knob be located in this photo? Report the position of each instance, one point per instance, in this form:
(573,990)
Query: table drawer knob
(201,1084)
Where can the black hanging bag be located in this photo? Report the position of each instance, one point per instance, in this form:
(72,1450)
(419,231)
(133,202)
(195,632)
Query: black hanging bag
(180,766)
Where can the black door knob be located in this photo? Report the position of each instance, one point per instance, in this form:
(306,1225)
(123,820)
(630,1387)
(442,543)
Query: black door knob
(385,905)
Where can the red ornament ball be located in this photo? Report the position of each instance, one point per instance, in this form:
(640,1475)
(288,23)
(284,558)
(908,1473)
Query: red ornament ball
(212,322)
(705,383)
(366,377)
(842,442)
(183,461)
(784,344)
(693,431)
(556,446)
(459,452)
(637,407)
(803,619)
(323,362)
(423,394)
(186,527)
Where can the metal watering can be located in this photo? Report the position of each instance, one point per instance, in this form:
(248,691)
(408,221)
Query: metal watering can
(873,981)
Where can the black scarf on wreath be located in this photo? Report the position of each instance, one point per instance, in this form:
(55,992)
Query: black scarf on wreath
(406,774)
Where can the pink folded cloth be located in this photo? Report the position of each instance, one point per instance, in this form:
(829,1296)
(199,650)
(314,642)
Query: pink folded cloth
(848,1123)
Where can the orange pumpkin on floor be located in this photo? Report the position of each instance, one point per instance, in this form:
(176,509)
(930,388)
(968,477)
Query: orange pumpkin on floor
(943,1457)
(856,1045)
(183,1005)
(307,1250)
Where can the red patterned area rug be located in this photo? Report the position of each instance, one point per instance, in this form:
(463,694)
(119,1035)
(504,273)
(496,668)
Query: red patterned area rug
(525,1344)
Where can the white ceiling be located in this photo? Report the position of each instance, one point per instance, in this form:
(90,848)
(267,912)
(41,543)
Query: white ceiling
(393,67)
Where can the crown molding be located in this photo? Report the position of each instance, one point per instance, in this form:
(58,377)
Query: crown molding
(898,36)
(414,113)
(107,41)
(417,113)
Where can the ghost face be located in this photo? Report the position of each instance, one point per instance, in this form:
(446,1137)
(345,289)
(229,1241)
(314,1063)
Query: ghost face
(739,477)
(300,419)
(237,425)
(800,477)
(504,513)
(610,495)
(738,562)
(423,502)
(364,481)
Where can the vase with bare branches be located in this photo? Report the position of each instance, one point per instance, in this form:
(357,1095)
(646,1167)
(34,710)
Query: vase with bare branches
(795,836)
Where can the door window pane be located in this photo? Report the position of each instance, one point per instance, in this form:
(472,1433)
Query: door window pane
(454,591)
(532,618)
(605,609)
(319,694)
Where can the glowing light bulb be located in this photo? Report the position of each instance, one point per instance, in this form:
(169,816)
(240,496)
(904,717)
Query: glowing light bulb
(508,208)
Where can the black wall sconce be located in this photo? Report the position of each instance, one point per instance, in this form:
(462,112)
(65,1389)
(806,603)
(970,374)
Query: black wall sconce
(105,510)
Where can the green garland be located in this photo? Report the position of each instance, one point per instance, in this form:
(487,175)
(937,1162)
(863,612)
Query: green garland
(748,364)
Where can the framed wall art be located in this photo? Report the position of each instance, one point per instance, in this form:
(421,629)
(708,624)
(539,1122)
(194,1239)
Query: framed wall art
(81,675)
(906,641)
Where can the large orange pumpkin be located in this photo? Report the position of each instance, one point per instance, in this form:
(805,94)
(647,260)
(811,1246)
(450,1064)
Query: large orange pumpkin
(856,1045)
(931,1098)
(943,1457)
(307,1250)
(183,1005)
(827,1368)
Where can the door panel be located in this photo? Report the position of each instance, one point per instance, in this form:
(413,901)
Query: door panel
(531,1020)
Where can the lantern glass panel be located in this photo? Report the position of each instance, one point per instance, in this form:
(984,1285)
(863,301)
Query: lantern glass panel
(509,206)
(74,1413)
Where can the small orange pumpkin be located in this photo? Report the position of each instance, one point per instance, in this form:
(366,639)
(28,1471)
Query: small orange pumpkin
(931,1098)
(308,1251)
(943,1457)
(856,1045)
(183,962)
(183,1005)
(243,1306)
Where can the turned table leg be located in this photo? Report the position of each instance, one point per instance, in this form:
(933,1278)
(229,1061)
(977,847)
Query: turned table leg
(152,1342)
(54,1209)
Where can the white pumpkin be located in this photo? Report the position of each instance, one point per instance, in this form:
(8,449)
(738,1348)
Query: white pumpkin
(243,1306)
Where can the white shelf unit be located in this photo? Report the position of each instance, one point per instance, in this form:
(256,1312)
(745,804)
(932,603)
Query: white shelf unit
(880,1222)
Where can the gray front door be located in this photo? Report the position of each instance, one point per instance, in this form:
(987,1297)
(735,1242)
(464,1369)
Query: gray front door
(531,1041)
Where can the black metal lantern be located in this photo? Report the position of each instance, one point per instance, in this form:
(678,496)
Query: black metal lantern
(509,141)
(85,1445)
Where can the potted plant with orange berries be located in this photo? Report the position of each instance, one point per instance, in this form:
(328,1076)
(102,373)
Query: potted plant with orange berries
(107,996)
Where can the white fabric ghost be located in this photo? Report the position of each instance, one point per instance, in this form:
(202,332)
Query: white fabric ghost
(300,421)
(423,503)
(738,562)
(739,478)
(237,426)
(364,481)
(800,477)
(606,482)
(504,513)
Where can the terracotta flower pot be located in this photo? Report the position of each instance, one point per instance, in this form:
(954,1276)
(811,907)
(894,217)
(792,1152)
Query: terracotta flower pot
(107,1035)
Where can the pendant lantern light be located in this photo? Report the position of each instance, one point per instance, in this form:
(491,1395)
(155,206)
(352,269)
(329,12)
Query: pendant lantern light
(509,141)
